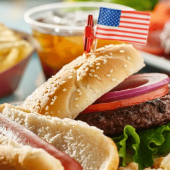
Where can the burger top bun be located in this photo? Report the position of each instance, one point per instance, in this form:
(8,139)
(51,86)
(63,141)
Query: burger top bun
(79,83)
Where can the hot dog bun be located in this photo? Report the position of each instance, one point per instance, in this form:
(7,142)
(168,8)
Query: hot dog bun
(85,143)
(14,156)
(79,83)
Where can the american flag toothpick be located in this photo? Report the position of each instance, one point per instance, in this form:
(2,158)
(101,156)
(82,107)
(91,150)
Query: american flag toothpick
(128,26)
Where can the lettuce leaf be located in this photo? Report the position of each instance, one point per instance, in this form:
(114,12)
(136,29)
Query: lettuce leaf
(143,145)
(138,5)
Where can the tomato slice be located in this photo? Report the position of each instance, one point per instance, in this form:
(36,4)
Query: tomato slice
(163,90)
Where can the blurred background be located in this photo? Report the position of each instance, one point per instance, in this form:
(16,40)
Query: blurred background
(156,52)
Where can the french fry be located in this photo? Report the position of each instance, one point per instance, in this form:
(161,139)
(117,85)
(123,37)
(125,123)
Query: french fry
(10,59)
(12,48)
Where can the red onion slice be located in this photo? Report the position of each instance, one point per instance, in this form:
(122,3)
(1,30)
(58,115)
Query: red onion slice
(142,83)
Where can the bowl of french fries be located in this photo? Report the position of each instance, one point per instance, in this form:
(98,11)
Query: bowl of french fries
(15,52)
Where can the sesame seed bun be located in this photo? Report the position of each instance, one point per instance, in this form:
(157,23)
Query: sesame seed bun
(79,83)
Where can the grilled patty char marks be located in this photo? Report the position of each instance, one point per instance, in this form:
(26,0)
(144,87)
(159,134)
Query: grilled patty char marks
(141,116)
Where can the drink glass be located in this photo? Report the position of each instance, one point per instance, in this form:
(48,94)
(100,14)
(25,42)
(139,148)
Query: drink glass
(58,31)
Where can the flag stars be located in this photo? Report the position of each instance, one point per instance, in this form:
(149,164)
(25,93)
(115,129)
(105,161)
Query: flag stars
(109,17)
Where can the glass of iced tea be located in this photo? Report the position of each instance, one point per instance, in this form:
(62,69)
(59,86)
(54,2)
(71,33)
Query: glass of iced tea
(58,30)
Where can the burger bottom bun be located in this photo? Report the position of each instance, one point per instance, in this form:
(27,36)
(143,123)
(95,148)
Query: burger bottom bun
(85,143)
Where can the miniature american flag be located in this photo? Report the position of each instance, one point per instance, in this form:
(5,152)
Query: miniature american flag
(129,26)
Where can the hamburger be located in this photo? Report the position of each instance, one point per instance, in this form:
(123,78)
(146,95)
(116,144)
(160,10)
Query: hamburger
(136,119)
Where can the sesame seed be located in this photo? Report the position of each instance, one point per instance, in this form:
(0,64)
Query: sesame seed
(55,97)
(97,67)
(76,98)
(78,90)
(64,89)
(97,64)
(95,75)
(111,53)
(46,113)
(86,69)
(125,65)
(111,71)
(70,77)
(63,82)
(130,70)
(55,88)
(51,112)
(113,79)
(90,74)
(128,58)
(52,103)
(58,111)
(107,46)
(76,105)
(122,51)
(104,61)
(92,70)
(80,93)
(98,78)
(91,65)
(84,74)
(93,56)
(60,83)
(109,75)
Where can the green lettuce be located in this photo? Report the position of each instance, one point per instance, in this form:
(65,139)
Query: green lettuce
(144,145)
(138,5)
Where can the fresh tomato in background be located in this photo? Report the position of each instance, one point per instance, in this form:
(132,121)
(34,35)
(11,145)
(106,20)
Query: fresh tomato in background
(159,16)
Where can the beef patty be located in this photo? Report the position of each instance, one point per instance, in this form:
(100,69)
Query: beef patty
(141,116)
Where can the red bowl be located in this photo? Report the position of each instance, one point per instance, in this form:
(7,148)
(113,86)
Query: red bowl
(10,78)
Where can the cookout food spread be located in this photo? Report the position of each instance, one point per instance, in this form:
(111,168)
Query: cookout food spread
(96,89)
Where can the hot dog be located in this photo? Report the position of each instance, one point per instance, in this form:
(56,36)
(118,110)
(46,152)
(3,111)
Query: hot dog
(84,143)
(26,137)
